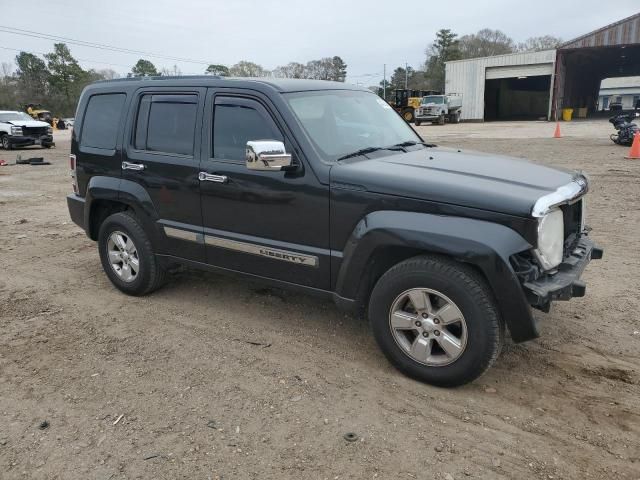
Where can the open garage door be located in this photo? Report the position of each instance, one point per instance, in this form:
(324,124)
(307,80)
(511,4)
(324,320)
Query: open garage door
(517,97)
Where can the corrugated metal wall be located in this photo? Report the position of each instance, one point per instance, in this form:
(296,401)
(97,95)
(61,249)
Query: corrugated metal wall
(467,77)
(624,32)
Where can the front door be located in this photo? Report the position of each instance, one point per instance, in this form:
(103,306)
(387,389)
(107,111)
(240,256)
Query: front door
(269,224)
(162,155)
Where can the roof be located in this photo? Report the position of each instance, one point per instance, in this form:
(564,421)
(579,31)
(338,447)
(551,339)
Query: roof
(279,84)
(533,54)
(621,82)
(10,111)
(622,32)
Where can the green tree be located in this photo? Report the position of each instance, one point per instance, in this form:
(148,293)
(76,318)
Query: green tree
(444,48)
(66,79)
(32,78)
(217,69)
(144,68)
(338,69)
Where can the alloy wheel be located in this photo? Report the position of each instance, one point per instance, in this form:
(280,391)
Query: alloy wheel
(428,327)
(123,256)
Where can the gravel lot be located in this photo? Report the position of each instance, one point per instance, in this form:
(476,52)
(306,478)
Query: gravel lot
(168,386)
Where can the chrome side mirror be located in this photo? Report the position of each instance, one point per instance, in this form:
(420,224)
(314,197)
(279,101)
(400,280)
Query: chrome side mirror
(267,155)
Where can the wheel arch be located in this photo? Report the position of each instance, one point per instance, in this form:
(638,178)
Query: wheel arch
(385,238)
(108,195)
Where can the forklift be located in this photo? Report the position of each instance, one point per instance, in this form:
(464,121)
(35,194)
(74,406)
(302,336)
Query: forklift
(406,101)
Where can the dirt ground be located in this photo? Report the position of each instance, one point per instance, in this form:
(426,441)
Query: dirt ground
(168,386)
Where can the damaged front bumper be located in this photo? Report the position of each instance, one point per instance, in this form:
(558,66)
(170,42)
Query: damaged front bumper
(564,282)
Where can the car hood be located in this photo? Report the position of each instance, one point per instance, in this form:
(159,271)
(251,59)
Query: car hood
(28,123)
(465,178)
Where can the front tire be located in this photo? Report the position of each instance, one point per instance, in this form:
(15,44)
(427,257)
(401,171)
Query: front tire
(418,123)
(436,321)
(408,115)
(6,144)
(127,255)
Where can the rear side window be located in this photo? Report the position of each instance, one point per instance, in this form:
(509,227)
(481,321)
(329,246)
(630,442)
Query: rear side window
(166,123)
(101,121)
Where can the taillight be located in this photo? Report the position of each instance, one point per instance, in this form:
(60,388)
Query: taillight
(72,167)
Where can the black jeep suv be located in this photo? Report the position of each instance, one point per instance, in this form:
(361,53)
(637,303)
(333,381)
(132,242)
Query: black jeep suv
(323,187)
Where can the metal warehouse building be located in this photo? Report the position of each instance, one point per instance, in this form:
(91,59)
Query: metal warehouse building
(536,85)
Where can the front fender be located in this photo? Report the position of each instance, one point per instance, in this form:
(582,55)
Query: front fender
(485,245)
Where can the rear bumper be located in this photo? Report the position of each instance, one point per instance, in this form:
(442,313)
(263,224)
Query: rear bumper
(565,283)
(75,204)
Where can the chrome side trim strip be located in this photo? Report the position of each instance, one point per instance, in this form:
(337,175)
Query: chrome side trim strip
(274,253)
(563,195)
(181,234)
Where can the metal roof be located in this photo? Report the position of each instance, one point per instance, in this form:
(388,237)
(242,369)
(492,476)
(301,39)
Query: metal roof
(622,32)
(621,82)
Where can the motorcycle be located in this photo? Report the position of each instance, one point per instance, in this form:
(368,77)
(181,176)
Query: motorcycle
(626,129)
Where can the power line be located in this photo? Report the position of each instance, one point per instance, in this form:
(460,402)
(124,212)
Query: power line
(80,59)
(99,46)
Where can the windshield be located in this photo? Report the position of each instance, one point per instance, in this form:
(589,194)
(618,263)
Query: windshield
(13,116)
(433,99)
(340,122)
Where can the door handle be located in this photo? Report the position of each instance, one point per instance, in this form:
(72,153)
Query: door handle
(132,166)
(208,177)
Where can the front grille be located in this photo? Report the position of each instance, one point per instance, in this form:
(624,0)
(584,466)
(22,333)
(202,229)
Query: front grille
(573,227)
(34,131)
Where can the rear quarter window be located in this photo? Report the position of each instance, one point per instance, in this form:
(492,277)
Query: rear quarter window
(101,121)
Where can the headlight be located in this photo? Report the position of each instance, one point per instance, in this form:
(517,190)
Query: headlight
(50,130)
(550,240)
(17,131)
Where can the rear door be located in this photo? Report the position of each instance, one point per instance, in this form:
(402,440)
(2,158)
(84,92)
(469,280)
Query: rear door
(162,156)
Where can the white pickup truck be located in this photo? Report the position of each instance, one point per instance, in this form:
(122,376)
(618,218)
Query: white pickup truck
(439,109)
(17,129)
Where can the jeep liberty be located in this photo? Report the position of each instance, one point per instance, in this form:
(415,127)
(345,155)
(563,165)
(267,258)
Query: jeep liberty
(323,187)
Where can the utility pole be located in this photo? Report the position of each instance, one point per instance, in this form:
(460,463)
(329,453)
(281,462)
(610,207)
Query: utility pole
(384,82)
(406,75)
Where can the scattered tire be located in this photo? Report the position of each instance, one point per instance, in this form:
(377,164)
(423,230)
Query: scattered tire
(436,320)
(127,255)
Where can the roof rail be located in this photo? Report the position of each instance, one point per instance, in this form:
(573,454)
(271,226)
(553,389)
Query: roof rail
(161,78)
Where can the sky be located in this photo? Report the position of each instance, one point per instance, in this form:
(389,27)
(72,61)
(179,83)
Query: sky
(366,34)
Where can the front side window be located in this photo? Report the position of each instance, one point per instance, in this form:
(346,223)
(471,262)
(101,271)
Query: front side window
(237,122)
(340,122)
(166,123)
(101,121)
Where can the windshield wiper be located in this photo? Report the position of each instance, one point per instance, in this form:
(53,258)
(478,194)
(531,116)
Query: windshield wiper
(362,151)
(398,146)
(411,143)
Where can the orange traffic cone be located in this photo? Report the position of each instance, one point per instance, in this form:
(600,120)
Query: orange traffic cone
(634,153)
(557,133)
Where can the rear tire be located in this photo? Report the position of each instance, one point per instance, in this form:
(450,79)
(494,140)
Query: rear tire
(466,343)
(133,269)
